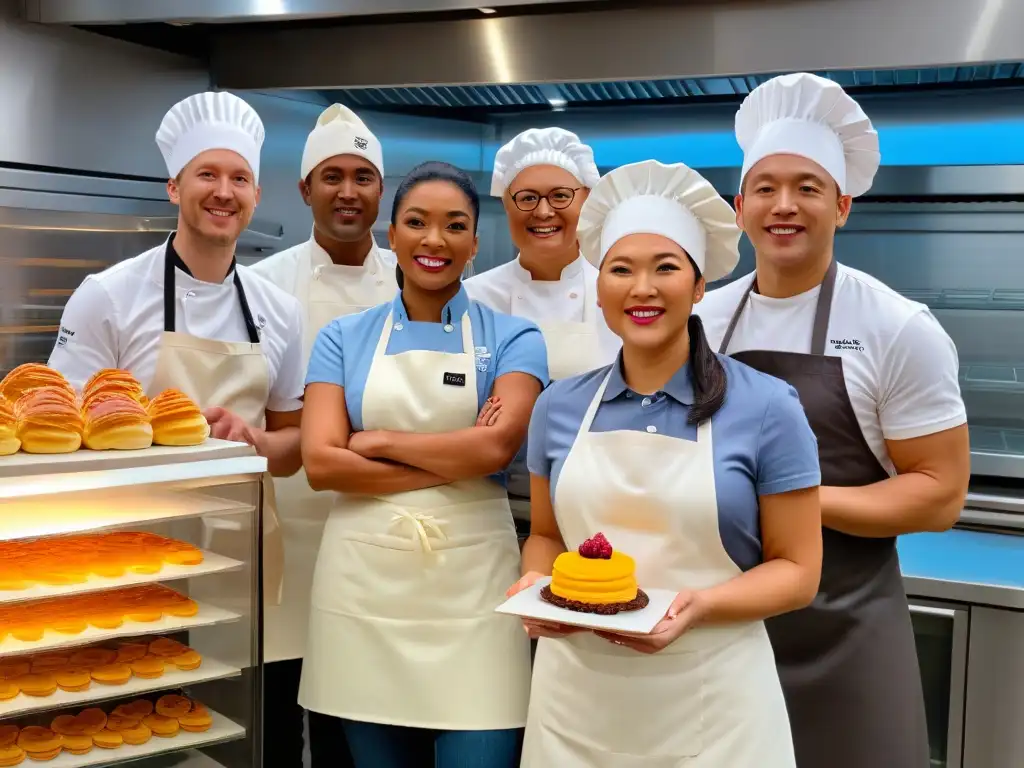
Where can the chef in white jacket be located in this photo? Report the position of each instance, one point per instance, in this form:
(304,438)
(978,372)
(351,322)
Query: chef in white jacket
(339,271)
(185,315)
(543,176)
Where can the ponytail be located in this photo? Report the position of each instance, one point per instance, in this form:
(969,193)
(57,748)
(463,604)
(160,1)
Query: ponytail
(709,380)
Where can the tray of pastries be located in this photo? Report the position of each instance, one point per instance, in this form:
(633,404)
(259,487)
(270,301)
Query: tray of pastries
(172,721)
(41,413)
(133,662)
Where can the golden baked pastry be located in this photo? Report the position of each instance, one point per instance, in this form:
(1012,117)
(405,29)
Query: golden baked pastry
(197,720)
(9,442)
(40,743)
(595,579)
(137,734)
(73,679)
(112,381)
(112,674)
(165,727)
(30,376)
(12,754)
(38,685)
(93,720)
(187,661)
(137,709)
(177,419)
(148,667)
(9,735)
(173,705)
(77,743)
(116,422)
(8,690)
(105,739)
(48,422)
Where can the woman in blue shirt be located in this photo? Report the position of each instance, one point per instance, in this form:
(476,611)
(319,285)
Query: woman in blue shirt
(404,645)
(702,469)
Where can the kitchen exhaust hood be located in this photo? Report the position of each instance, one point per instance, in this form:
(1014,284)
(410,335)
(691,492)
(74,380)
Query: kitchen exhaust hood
(102,12)
(646,42)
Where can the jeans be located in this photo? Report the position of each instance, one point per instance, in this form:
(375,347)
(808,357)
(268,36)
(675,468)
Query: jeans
(392,746)
(284,719)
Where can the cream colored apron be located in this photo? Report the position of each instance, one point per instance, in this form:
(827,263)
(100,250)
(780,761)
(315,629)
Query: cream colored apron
(402,625)
(712,699)
(231,375)
(326,293)
(573,348)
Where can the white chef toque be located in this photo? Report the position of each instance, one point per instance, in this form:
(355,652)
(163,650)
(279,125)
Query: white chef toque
(543,146)
(339,131)
(806,115)
(673,201)
(211,120)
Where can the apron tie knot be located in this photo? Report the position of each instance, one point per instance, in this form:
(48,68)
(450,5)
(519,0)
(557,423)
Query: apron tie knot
(423,526)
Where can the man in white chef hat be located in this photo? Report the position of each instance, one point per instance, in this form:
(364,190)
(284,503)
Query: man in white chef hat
(338,271)
(877,376)
(543,176)
(185,315)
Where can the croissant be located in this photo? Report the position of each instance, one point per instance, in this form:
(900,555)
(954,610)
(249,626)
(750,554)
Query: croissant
(112,381)
(177,419)
(48,421)
(30,376)
(9,442)
(116,422)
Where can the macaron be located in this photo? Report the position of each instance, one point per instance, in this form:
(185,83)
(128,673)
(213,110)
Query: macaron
(40,743)
(73,679)
(8,690)
(148,667)
(130,652)
(166,648)
(77,743)
(107,739)
(92,657)
(48,662)
(39,685)
(11,755)
(173,705)
(137,734)
(165,727)
(187,661)
(93,720)
(112,674)
(137,709)
(197,720)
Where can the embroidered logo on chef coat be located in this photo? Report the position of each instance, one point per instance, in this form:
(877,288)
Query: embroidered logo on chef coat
(360,142)
(847,344)
(65,336)
(483,358)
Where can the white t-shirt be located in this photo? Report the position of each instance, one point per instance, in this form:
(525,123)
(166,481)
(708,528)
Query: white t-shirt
(900,365)
(511,289)
(115,319)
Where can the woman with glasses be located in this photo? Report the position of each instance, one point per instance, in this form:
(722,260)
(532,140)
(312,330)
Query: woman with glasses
(543,177)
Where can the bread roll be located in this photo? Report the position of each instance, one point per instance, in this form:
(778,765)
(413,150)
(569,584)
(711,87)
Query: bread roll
(30,376)
(116,422)
(9,442)
(48,421)
(177,420)
(112,381)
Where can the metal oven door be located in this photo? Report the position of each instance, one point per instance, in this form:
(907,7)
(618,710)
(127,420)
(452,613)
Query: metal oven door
(940,632)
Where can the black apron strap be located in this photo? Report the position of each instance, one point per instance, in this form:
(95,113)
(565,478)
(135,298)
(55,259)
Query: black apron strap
(822,312)
(169,302)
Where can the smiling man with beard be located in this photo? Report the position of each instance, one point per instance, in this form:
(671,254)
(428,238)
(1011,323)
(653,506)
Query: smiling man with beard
(338,271)
(185,315)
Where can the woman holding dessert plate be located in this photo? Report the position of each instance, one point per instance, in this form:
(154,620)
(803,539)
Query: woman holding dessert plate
(701,470)
(405,649)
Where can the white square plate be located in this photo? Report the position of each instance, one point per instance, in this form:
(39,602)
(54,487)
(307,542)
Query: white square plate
(529,604)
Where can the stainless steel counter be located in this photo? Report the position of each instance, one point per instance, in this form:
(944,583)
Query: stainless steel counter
(984,569)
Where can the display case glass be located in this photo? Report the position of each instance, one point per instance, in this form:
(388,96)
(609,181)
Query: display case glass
(130,618)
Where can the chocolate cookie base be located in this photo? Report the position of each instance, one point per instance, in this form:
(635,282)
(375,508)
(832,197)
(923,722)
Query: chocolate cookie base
(607,609)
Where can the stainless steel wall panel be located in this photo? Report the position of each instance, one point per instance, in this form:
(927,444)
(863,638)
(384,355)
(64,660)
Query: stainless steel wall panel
(646,43)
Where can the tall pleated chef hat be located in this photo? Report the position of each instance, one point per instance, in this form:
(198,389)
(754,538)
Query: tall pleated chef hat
(211,120)
(340,131)
(810,116)
(543,146)
(673,201)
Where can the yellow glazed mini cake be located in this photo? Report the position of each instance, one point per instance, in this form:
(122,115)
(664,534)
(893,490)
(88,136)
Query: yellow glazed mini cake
(595,579)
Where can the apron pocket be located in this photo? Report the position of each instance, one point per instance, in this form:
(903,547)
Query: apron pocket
(625,702)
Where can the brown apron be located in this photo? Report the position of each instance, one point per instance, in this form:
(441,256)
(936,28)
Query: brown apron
(848,662)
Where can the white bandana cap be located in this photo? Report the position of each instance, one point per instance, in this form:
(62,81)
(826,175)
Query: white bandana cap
(544,146)
(211,120)
(812,117)
(673,201)
(339,131)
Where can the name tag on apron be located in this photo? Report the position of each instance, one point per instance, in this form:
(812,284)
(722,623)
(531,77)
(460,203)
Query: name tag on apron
(454,379)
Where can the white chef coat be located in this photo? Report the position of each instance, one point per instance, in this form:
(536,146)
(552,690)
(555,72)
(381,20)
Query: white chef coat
(292,270)
(899,364)
(115,319)
(511,289)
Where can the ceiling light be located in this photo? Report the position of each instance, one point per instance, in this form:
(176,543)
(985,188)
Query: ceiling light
(557,104)
(487,10)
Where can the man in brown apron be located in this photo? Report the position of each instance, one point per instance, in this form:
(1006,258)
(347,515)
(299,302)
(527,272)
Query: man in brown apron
(877,377)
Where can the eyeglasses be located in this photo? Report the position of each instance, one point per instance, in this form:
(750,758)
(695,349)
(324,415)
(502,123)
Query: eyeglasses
(529,199)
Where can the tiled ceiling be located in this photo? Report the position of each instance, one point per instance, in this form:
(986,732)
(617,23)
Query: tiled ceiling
(510,97)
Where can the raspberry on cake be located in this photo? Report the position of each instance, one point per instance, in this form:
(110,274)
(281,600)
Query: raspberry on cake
(595,579)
